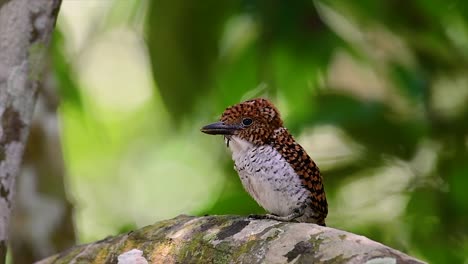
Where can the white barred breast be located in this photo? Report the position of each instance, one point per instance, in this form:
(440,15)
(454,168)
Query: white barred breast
(267,177)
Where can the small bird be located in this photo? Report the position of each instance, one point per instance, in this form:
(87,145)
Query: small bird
(274,169)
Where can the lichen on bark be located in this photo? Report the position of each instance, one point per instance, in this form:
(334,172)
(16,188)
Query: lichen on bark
(233,239)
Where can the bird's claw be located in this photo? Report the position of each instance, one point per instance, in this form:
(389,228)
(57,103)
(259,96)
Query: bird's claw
(256,216)
(288,218)
(262,216)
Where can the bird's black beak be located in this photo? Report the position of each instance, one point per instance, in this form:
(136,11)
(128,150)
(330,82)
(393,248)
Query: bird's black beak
(219,128)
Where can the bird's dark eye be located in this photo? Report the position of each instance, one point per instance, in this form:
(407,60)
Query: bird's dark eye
(247,121)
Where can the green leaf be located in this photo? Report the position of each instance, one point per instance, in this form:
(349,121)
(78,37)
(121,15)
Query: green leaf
(372,124)
(183,46)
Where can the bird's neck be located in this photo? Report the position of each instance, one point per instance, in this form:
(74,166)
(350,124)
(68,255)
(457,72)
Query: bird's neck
(238,145)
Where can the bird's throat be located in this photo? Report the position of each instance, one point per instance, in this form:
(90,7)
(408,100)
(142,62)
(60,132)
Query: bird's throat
(237,145)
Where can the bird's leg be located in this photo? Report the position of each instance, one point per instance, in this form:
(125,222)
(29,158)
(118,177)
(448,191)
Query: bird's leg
(298,212)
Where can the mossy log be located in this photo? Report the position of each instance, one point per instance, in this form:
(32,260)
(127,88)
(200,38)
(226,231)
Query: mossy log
(232,239)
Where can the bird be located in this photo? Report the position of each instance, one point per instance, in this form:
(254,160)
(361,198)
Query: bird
(273,168)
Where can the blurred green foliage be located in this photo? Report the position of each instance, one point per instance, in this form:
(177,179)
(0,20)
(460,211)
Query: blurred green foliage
(387,79)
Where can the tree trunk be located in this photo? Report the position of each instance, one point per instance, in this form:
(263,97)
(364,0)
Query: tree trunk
(25,29)
(231,239)
(42,220)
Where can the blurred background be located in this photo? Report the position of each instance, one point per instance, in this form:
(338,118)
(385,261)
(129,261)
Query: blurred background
(375,91)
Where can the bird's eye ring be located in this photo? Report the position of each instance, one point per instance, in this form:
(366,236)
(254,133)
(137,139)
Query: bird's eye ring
(247,121)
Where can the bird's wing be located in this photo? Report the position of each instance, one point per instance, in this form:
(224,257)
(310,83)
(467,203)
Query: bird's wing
(305,167)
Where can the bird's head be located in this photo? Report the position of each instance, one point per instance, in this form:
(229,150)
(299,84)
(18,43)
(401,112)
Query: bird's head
(253,121)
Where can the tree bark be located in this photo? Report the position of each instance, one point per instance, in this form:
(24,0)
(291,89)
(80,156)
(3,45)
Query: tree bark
(42,220)
(232,239)
(25,30)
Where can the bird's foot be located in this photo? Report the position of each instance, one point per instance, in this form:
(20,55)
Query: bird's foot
(264,216)
(259,216)
(286,218)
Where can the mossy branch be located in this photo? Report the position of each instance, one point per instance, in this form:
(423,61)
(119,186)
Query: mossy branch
(232,239)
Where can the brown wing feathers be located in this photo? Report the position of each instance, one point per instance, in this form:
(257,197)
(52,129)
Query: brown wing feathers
(307,170)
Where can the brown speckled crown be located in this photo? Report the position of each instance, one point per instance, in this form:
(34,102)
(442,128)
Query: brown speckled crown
(259,108)
(265,118)
(267,129)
